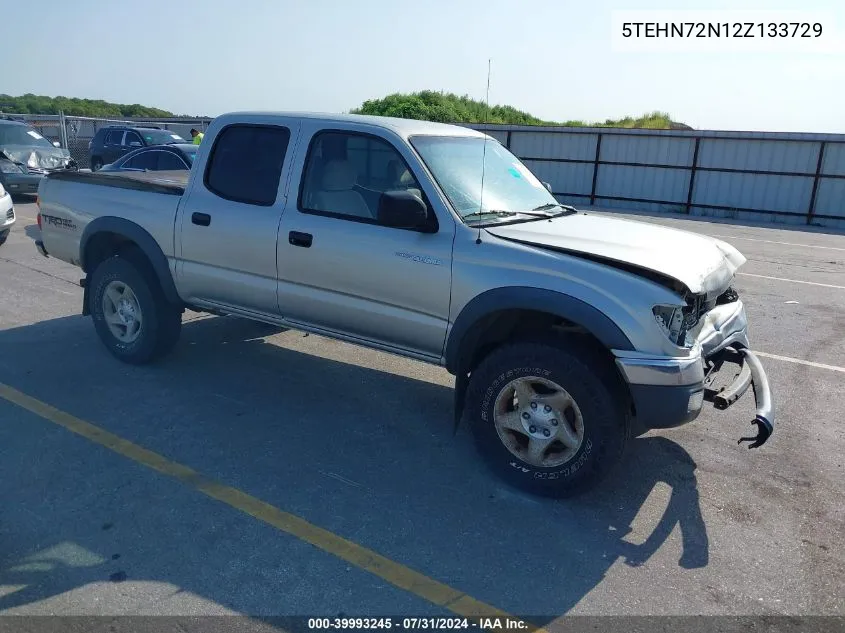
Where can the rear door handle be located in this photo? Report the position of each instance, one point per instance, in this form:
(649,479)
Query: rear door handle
(203,219)
(300,239)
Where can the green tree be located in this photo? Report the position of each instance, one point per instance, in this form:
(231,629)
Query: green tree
(447,107)
(72,106)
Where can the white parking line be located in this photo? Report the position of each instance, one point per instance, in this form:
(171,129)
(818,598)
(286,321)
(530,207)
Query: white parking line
(753,239)
(795,281)
(801,362)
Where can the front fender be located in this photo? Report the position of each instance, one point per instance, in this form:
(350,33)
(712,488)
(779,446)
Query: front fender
(463,336)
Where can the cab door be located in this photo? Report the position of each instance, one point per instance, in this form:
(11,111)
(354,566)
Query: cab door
(342,271)
(229,220)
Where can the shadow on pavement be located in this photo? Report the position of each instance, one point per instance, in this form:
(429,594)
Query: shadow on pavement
(32,232)
(277,422)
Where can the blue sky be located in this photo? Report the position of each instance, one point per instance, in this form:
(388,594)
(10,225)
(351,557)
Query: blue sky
(552,58)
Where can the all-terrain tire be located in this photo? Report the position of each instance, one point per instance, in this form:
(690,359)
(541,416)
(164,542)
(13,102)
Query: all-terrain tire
(161,321)
(591,386)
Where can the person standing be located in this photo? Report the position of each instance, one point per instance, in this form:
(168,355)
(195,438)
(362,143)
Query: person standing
(197,136)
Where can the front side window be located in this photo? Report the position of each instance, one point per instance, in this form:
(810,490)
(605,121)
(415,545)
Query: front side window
(346,173)
(132,137)
(246,163)
(457,164)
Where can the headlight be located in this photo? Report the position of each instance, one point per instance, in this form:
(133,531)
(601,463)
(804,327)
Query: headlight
(676,323)
(8,167)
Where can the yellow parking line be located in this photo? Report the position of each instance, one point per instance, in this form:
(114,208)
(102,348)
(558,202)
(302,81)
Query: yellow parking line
(395,573)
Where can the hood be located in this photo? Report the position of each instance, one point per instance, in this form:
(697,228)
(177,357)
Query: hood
(702,264)
(38,158)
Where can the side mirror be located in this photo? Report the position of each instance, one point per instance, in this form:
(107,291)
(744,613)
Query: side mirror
(401,210)
(547,186)
(56,144)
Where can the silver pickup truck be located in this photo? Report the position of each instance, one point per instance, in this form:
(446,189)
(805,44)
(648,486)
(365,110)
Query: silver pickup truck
(567,332)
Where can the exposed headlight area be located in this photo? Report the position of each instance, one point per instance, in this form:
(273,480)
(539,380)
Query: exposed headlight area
(680,323)
(676,323)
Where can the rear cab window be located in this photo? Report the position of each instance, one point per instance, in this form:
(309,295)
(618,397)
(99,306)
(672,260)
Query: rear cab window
(246,162)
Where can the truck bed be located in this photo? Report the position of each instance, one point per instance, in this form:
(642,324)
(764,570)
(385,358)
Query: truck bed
(166,182)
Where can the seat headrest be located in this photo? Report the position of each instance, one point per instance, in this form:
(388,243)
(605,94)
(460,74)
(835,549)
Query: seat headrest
(407,179)
(339,175)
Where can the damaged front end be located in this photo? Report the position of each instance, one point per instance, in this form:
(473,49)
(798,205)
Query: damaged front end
(38,160)
(719,327)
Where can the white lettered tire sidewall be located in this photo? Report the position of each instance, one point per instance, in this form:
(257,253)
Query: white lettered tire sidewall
(605,428)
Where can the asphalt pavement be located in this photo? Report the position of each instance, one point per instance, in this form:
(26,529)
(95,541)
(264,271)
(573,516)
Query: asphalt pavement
(359,445)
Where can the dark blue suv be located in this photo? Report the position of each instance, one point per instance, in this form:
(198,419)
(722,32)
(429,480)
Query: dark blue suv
(110,143)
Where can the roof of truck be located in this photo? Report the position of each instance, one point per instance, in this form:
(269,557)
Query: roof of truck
(404,127)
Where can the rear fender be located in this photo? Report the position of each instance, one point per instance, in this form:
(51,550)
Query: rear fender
(128,230)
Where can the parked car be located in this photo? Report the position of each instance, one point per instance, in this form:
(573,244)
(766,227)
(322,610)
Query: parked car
(112,142)
(566,331)
(179,156)
(7,214)
(25,156)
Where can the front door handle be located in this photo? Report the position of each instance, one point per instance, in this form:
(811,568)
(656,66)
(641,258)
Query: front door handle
(202,219)
(300,239)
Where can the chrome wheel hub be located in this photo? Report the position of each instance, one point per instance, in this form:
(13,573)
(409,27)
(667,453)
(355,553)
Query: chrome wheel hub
(539,422)
(122,312)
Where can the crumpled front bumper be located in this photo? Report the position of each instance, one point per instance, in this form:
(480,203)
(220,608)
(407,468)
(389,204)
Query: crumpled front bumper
(668,392)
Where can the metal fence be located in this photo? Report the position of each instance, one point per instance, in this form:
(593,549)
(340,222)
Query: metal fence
(759,176)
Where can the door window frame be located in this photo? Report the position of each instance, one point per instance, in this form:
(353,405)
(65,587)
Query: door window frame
(431,226)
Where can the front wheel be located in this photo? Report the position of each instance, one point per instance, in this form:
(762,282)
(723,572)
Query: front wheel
(4,235)
(96,164)
(546,418)
(131,315)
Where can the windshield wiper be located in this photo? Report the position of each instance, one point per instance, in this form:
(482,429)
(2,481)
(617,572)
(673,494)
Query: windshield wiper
(496,212)
(551,205)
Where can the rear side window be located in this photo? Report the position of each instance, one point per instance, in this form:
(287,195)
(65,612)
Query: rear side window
(246,162)
(168,161)
(114,137)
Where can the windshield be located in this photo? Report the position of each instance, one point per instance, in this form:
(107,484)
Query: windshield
(22,135)
(456,163)
(160,137)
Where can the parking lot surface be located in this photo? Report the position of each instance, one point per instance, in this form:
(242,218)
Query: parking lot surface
(358,446)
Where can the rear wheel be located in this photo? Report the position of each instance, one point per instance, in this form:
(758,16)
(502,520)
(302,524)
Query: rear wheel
(96,163)
(546,418)
(131,315)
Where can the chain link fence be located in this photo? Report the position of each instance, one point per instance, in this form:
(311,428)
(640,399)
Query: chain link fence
(76,133)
